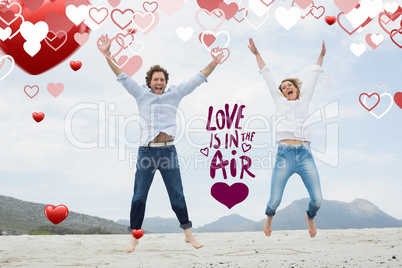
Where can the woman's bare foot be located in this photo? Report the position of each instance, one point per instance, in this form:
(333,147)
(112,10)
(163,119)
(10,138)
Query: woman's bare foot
(267,226)
(133,243)
(311,227)
(189,238)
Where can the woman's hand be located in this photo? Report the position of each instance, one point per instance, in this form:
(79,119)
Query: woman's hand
(323,49)
(252,47)
(322,54)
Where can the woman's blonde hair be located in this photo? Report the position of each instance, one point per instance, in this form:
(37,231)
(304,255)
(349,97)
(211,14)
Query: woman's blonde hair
(295,81)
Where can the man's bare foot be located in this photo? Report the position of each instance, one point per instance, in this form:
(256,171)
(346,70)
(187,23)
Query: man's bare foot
(311,227)
(133,243)
(267,226)
(189,238)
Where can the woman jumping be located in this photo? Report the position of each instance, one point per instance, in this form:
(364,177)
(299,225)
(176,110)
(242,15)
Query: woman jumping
(294,153)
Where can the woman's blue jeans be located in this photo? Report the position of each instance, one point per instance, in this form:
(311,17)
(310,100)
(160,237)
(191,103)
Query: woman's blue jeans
(165,160)
(290,160)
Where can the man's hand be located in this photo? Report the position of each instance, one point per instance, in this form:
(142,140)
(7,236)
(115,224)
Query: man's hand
(105,44)
(218,58)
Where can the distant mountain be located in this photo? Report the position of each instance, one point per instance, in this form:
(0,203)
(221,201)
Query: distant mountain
(21,217)
(333,215)
(231,223)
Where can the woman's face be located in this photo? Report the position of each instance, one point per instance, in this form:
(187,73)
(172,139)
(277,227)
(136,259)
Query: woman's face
(289,90)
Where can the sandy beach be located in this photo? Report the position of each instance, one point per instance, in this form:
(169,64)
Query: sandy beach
(330,248)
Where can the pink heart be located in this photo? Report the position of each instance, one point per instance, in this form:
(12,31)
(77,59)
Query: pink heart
(55,89)
(133,65)
(229,195)
(267,4)
(217,51)
(144,21)
(81,39)
(209,14)
(230,10)
(150,7)
(31,87)
(33,5)
(128,39)
(303,3)
(120,18)
(170,6)
(346,5)
(57,41)
(103,12)
(114,3)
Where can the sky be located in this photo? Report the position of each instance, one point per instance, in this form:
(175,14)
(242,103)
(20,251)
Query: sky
(83,153)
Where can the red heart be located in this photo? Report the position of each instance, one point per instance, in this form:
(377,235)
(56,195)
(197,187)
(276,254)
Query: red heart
(137,233)
(398,99)
(47,57)
(369,95)
(209,39)
(38,116)
(229,195)
(56,214)
(393,34)
(390,17)
(330,20)
(75,65)
(209,4)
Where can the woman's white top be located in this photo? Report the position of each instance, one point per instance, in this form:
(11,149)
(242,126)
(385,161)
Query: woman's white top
(291,115)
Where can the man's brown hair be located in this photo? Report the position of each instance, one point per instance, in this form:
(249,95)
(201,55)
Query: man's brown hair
(150,72)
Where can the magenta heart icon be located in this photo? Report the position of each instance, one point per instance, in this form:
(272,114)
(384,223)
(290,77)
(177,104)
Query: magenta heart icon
(229,195)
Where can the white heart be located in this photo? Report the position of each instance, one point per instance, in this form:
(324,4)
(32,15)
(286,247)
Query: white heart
(377,39)
(12,65)
(287,17)
(391,7)
(32,48)
(216,35)
(5,33)
(77,14)
(184,33)
(258,7)
(136,51)
(358,49)
(386,111)
(250,23)
(34,33)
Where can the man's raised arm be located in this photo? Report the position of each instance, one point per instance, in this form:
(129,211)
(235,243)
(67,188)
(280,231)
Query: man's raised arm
(105,47)
(208,70)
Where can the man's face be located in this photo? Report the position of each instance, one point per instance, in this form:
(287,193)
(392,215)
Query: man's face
(158,83)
